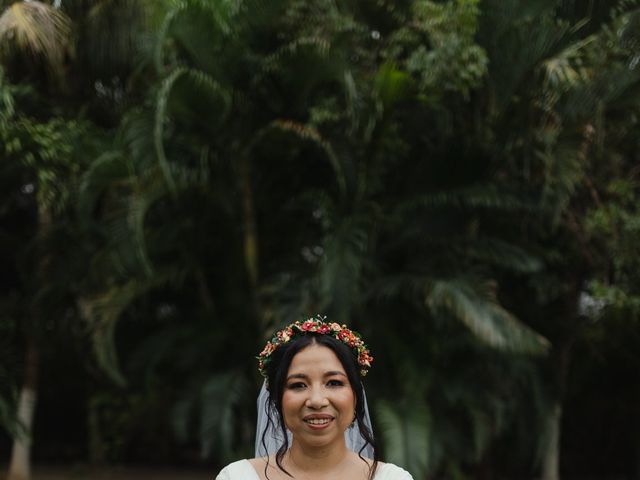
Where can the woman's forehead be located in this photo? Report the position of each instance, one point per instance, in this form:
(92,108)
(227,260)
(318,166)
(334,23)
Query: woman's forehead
(316,359)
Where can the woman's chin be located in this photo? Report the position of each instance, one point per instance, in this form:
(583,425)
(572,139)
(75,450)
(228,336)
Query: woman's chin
(319,438)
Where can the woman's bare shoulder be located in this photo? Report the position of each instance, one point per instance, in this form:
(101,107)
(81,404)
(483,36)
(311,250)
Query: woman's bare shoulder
(358,459)
(260,462)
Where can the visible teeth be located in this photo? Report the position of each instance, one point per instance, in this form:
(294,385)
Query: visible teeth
(318,421)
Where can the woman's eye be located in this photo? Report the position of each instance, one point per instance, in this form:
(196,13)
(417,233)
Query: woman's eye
(296,386)
(335,383)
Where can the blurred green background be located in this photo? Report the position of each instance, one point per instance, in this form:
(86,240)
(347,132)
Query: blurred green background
(457,180)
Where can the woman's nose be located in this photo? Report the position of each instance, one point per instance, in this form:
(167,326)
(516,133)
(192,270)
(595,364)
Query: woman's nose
(317,398)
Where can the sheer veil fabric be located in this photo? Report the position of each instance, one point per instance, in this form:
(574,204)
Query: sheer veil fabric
(273,435)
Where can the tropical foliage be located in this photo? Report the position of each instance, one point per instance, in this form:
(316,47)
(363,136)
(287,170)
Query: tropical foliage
(458,180)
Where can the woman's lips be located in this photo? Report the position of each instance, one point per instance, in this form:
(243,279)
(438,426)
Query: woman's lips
(318,422)
(319,425)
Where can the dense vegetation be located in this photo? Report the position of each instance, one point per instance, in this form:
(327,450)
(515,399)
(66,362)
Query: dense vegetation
(458,180)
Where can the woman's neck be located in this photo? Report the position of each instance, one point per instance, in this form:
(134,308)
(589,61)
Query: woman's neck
(306,458)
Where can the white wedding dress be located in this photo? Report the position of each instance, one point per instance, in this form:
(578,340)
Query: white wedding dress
(243,470)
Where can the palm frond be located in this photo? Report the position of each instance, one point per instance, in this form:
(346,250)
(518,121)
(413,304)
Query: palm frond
(129,196)
(200,29)
(220,396)
(624,7)
(406,432)
(140,202)
(310,48)
(494,251)
(298,69)
(392,85)
(145,192)
(102,174)
(518,37)
(474,304)
(102,311)
(564,168)
(310,134)
(211,404)
(343,265)
(409,286)
(36,27)
(470,198)
(213,99)
(7,106)
(566,68)
(163,345)
(136,137)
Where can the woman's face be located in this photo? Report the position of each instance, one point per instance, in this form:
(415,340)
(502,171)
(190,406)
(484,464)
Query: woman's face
(318,403)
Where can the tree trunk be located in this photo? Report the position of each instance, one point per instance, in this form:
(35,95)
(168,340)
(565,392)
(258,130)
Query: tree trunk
(551,451)
(20,464)
(551,454)
(249,223)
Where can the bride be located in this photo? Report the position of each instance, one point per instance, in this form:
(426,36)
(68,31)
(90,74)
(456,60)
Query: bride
(313,422)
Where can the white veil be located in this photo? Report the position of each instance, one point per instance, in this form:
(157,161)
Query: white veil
(273,434)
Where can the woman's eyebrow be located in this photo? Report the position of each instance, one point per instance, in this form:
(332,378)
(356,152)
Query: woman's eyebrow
(334,372)
(330,373)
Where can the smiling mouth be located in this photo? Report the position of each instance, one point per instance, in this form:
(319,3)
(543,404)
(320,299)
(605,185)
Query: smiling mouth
(318,421)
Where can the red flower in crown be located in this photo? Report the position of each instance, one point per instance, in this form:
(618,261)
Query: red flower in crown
(309,326)
(323,329)
(268,349)
(317,325)
(365,359)
(345,335)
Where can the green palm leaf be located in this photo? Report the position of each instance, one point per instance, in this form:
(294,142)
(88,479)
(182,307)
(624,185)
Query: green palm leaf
(38,28)
(308,134)
(494,251)
(473,303)
(199,29)
(406,430)
(102,312)
(472,197)
(107,170)
(220,395)
(213,402)
(392,85)
(200,95)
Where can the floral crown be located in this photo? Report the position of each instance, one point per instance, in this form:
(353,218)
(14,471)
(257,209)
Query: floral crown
(319,326)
